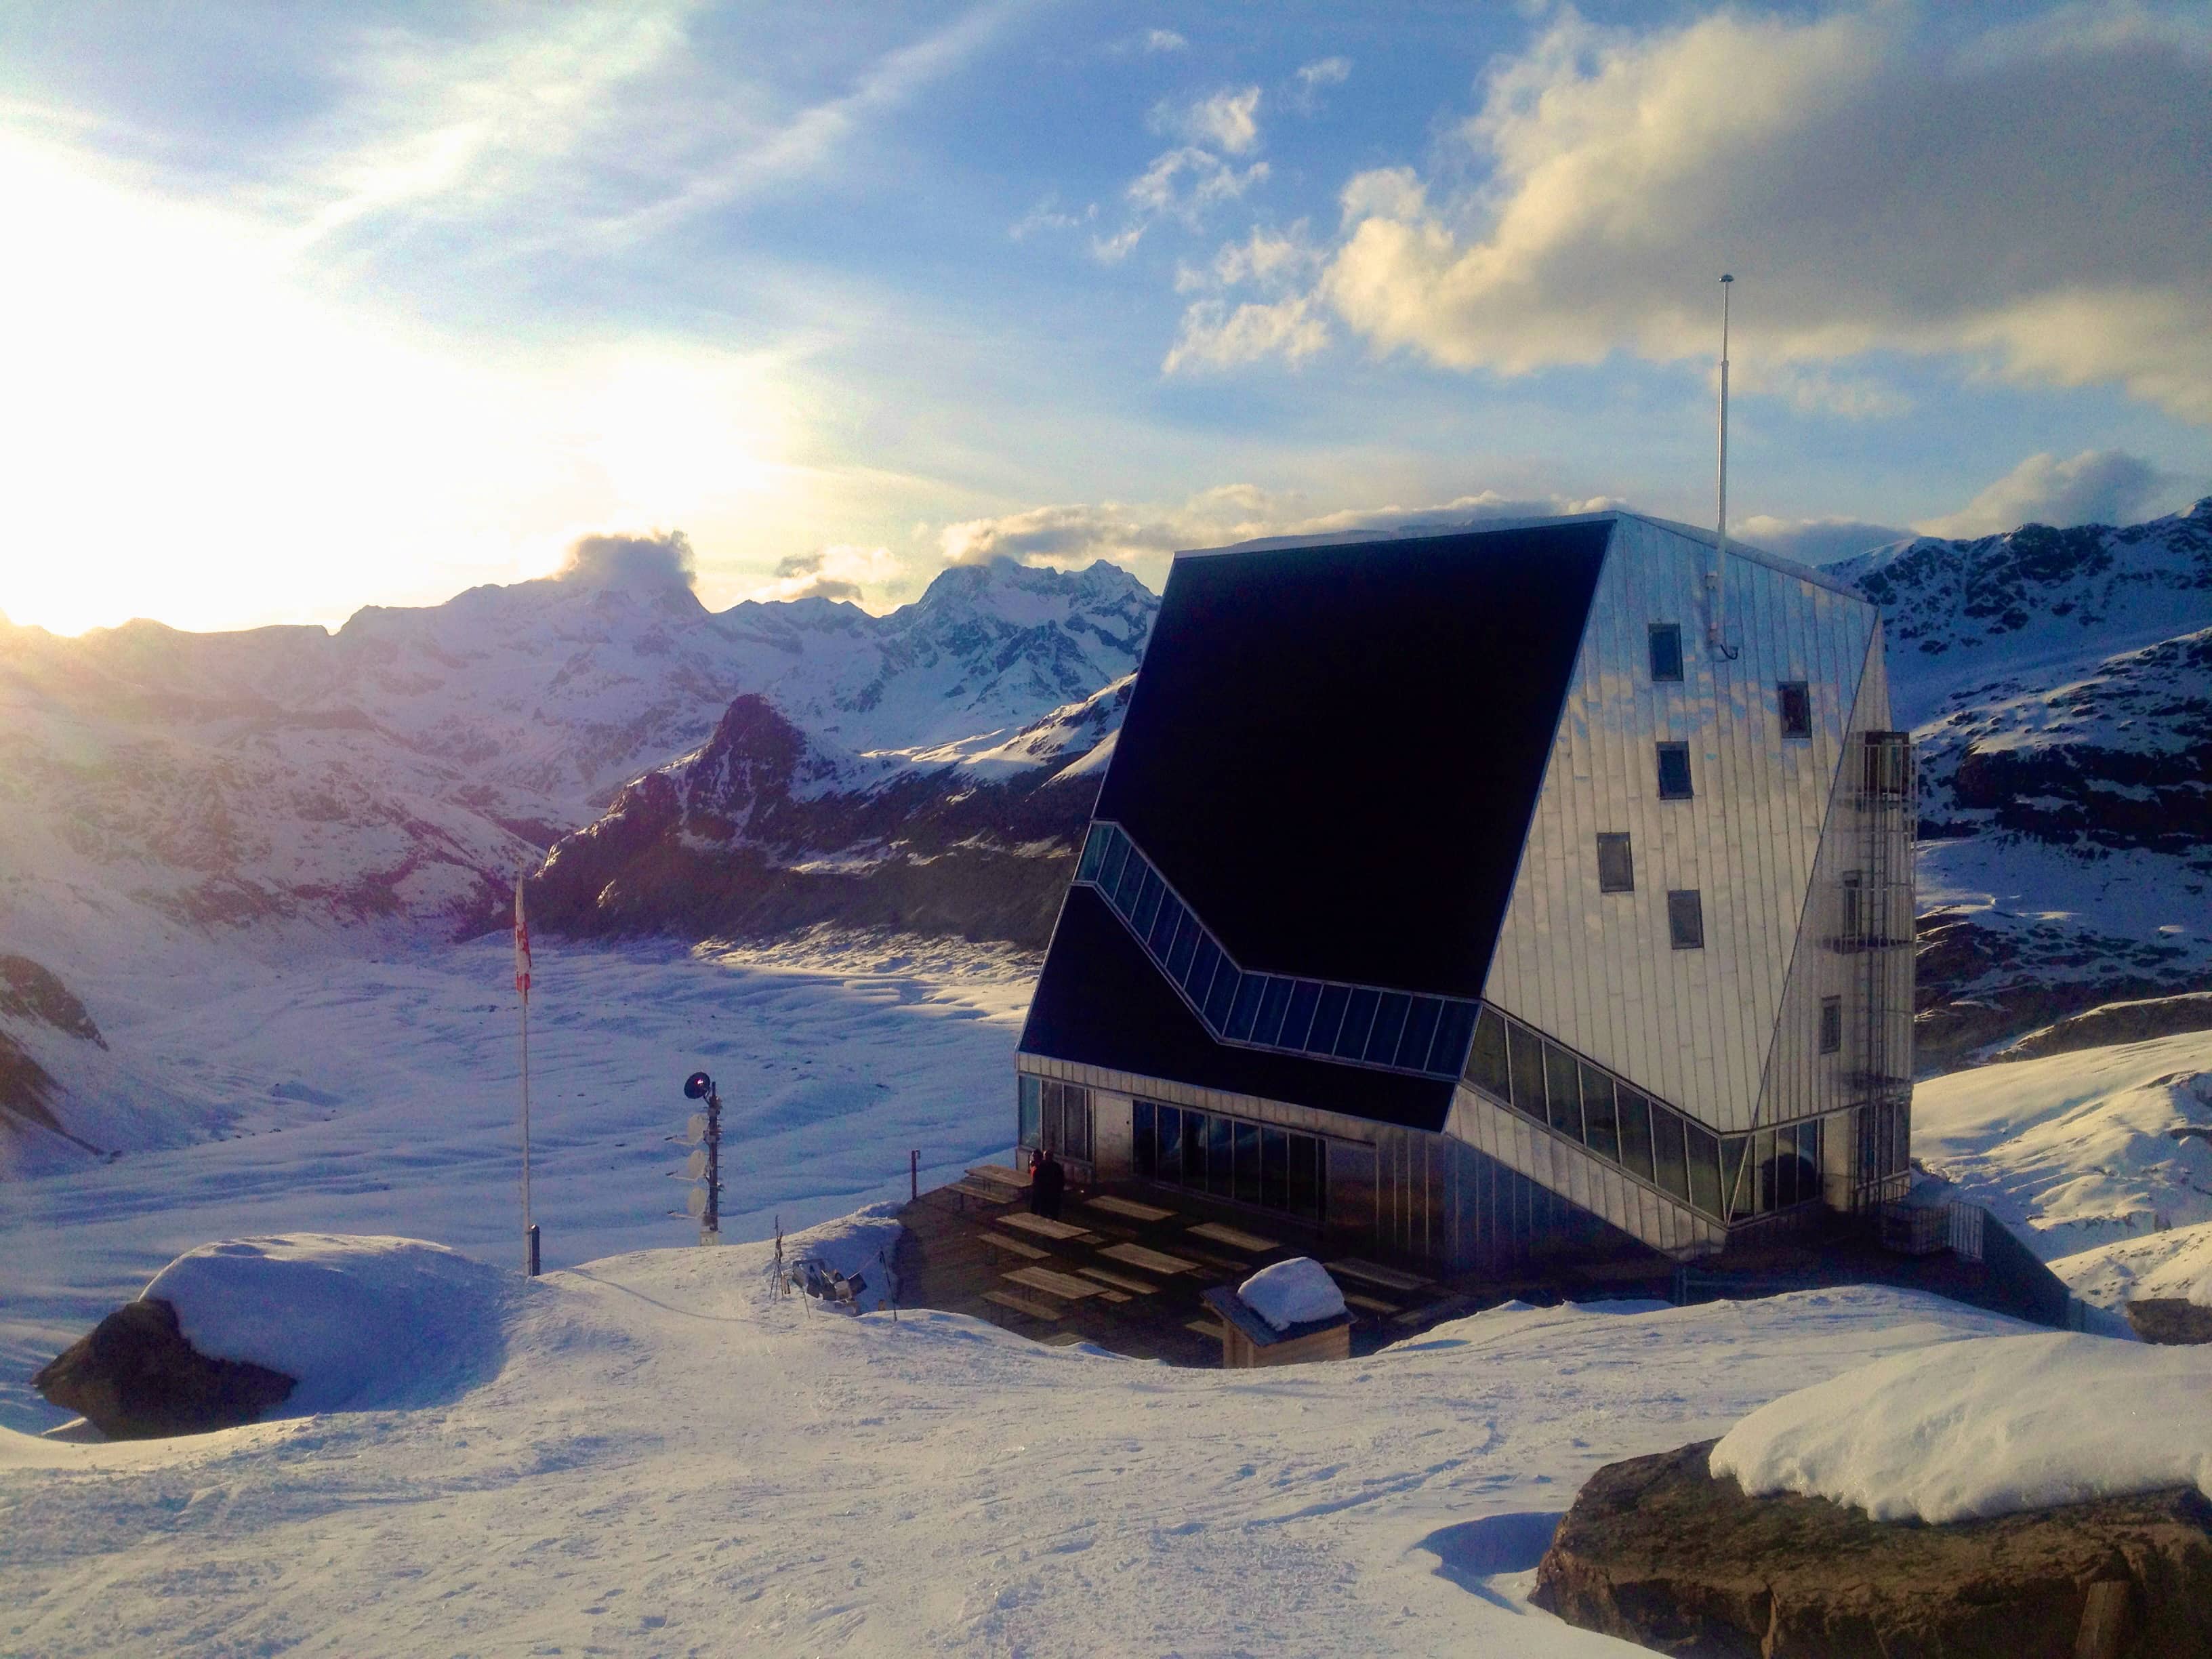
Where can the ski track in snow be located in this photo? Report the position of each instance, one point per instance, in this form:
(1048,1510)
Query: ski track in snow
(406,1077)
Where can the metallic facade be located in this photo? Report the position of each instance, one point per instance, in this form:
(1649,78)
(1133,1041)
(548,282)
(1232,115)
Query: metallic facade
(1791,1015)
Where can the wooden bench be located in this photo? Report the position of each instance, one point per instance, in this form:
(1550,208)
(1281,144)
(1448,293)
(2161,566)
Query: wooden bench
(1021,1247)
(1374,1272)
(1022,1305)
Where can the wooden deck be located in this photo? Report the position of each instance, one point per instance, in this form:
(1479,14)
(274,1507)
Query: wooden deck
(1128,1273)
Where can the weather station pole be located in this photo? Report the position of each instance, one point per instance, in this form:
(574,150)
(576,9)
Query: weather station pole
(706,1133)
(522,989)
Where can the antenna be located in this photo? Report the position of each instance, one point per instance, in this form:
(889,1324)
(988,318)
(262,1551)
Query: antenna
(1717,579)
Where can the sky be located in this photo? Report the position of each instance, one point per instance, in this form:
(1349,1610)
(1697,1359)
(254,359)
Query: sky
(319,306)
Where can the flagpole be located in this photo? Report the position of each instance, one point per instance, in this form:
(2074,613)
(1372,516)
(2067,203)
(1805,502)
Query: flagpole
(522,985)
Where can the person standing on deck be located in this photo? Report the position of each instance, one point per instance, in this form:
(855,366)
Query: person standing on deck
(1047,1181)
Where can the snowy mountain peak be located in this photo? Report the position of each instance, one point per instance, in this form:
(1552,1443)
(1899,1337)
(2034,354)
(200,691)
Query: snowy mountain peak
(2034,596)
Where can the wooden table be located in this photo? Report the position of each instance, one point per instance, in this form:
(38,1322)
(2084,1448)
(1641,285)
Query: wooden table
(1044,1227)
(1065,1286)
(1127,1206)
(1234,1238)
(1152,1261)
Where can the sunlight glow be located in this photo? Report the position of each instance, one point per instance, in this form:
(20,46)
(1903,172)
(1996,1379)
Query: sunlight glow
(195,432)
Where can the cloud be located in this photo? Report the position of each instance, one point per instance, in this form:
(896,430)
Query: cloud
(1048,214)
(1185,184)
(1304,93)
(636,564)
(836,572)
(1078,533)
(1229,120)
(2098,486)
(1213,335)
(2034,201)
(1816,541)
(1163,40)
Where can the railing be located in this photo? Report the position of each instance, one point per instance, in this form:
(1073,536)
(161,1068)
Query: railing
(1322,1019)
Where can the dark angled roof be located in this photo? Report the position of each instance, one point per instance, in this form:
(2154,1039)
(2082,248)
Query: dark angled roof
(1332,751)
(1099,1001)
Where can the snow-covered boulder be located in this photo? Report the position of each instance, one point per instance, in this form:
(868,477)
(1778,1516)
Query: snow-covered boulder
(306,1322)
(1660,1551)
(1298,1292)
(362,1321)
(1964,1430)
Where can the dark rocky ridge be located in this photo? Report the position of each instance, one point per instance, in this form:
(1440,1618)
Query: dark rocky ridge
(754,836)
(1657,1552)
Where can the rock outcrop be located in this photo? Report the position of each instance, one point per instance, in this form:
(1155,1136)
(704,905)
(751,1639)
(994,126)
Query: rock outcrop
(1657,1552)
(2170,1320)
(134,1376)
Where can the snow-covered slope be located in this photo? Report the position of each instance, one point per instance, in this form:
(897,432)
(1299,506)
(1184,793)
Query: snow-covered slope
(284,793)
(2059,687)
(2078,1150)
(667,1462)
(404,766)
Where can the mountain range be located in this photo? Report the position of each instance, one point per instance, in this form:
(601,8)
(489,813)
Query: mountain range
(664,769)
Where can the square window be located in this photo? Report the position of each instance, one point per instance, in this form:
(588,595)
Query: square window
(1686,921)
(1616,864)
(1794,699)
(1674,771)
(1666,651)
(1832,1024)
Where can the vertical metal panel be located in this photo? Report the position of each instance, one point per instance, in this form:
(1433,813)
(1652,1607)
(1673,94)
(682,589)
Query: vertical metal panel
(1597,969)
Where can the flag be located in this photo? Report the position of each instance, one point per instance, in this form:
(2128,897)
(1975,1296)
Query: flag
(522,943)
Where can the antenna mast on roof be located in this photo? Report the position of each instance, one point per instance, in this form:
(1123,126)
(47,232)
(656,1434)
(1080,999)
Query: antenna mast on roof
(1717,579)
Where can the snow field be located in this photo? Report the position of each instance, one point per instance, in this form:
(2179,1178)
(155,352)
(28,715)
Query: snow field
(379,1097)
(2076,1151)
(668,1462)
(1970,1430)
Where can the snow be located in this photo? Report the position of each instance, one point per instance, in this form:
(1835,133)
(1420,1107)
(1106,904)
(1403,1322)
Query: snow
(2175,1264)
(1293,1292)
(379,1097)
(355,1321)
(668,1461)
(1969,1429)
(2075,1151)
